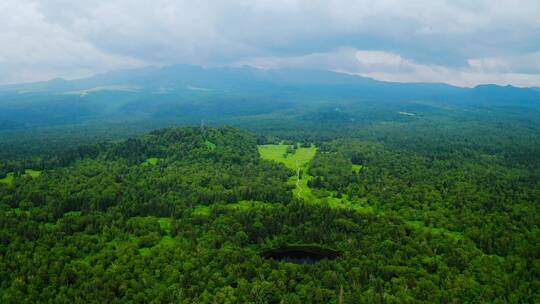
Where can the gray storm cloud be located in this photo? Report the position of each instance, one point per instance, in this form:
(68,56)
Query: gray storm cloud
(458,42)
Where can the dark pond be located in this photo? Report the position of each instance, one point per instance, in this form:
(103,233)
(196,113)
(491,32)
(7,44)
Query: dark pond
(301,254)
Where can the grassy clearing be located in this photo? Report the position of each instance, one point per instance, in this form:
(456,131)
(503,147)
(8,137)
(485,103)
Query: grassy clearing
(300,159)
(32,173)
(166,240)
(346,203)
(8,179)
(210,145)
(303,157)
(277,154)
(73,214)
(357,168)
(302,189)
(152,161)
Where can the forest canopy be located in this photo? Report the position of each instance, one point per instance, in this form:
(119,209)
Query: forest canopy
(183,215)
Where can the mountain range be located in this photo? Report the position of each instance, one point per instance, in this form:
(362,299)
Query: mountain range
(186,93)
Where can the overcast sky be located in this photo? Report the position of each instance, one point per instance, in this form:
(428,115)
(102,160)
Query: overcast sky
(462,42)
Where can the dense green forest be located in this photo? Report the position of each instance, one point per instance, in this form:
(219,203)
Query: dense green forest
(426,193)
(182,215)
(269,152)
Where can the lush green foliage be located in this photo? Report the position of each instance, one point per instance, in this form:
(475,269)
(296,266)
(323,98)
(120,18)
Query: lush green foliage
(182,215)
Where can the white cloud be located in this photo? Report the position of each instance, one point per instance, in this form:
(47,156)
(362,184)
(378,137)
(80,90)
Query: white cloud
(528,63)
(49,38)
(393,67)
(34,49)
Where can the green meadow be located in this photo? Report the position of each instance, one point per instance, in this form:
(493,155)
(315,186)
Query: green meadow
(302,157)
(299,159)
(210,145)
(204,210)
(277,153)
(10,177)
(32,173)
(356,168)
(152,161)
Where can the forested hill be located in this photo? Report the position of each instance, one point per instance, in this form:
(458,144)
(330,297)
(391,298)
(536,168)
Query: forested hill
(185,215)
(189,145)
(159,173)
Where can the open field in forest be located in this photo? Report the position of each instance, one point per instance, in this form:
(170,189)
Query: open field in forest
(345,202)
(32,173)
(151,161)
(299,159)
(304,156)
(277,153)
(304,192)
(210,145)
(8,179)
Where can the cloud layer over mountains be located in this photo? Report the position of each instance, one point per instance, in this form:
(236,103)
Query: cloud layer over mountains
(458,42)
